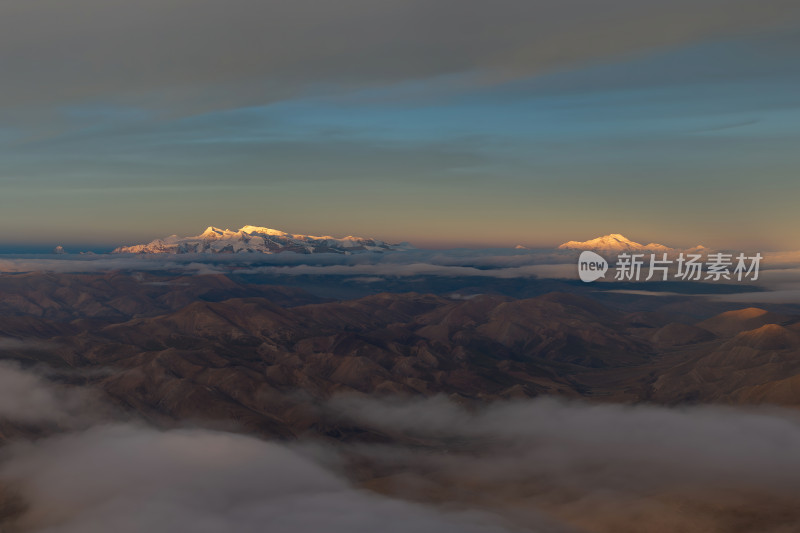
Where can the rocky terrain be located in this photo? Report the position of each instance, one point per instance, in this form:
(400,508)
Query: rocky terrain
(169,348)
(440,399)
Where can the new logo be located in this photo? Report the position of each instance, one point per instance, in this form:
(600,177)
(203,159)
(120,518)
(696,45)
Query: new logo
(591,266)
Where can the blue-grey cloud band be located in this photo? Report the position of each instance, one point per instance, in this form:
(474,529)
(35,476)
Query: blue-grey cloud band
(184,55)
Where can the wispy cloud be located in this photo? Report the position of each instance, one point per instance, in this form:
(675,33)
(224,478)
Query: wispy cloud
(130,479)
(29,398)
(248,52)
(598,468)
(537,465)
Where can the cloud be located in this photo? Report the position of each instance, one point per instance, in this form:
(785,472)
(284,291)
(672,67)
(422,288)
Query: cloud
(202,54)
(482,263)
(105,263)
(28,398)
(710,443)
(645,293)
(103,475)
(601,467)
(778,296)
(540,465)
(779,273)
(417,269)
(129,479)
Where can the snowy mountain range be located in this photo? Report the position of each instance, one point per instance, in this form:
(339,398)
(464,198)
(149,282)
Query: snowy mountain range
(256,239)
(619,243)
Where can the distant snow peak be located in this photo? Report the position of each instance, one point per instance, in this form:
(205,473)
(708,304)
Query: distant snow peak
(258,239)
(616,242)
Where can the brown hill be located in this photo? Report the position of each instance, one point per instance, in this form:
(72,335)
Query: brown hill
(757,358)
(121,295)
(677,334)
(170,348)
(249,360)
(732,322)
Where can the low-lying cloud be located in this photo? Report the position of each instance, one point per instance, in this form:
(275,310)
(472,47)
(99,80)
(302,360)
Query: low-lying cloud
(593,467)
(540,465)
(456,263)
(28,398)
(130,479)
(104,476)
(779,275)
(635,445)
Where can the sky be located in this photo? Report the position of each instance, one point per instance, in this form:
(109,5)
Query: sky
(440,122)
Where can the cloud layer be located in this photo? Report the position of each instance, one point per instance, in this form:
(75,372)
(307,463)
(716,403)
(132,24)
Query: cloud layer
(134,479)
(28,398)
(202,54)
(597,468)
(537,465)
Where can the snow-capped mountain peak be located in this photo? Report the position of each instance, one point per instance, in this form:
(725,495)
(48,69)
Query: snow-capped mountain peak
(265,231)
(258,239)
(216,233)
(614,242)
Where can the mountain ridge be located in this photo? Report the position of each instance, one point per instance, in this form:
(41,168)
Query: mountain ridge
(617,242)
(259,239)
